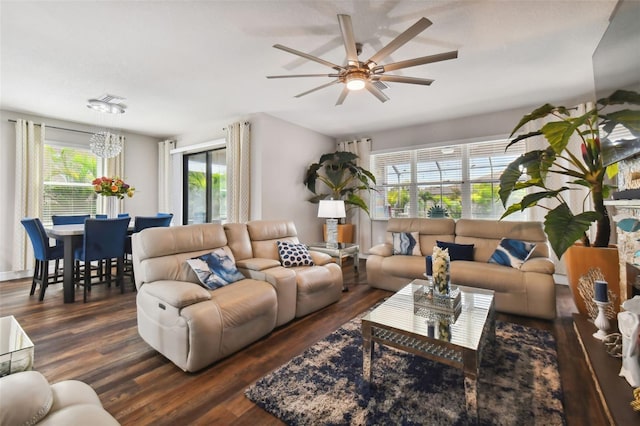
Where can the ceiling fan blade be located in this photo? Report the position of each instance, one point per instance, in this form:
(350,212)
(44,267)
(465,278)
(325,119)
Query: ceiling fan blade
(403,79)
(303,75)
(417,61)
(307,56)
(331,83)
(343,95)
(349,40)
(376,92)
(399,41)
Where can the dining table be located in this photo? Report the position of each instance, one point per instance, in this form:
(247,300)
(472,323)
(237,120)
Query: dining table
(71,236)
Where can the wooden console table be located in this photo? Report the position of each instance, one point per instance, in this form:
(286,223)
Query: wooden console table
(615,392)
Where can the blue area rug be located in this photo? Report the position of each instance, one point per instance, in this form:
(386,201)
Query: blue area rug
(519,384)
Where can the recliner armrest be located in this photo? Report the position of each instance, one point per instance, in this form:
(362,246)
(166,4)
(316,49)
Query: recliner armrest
(384,250)
(320,259)
(543,265)
(177,293)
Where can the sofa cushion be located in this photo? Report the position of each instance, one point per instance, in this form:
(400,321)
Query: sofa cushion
(457,251)
(512,252)
(215,269)
(292,254)
(26,398)
(406,243)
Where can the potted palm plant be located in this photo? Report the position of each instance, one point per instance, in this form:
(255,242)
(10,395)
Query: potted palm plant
(584,169)
(337,176)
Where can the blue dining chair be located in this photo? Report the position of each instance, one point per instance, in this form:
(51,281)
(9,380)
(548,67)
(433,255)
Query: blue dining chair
(141,223)
(104,239)
(104,216)
(43,253)
(64,219)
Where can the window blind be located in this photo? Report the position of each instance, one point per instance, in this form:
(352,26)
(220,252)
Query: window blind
(451,181)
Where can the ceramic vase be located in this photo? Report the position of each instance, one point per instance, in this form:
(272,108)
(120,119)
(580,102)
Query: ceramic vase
(112,207)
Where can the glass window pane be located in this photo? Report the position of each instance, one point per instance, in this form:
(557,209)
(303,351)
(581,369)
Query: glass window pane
(66,179)
(196,170)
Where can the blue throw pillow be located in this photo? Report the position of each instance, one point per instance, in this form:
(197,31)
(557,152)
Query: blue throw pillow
(215,269)
(292,254)
(406,243)
(457,251)
(512,252)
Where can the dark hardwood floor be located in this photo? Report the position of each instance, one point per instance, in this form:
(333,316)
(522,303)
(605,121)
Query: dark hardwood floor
(98,343)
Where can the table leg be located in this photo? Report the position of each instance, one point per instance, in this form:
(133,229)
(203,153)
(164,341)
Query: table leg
(355,261)
(471,396)
(67,280)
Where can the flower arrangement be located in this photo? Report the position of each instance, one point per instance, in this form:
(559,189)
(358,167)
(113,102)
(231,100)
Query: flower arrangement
(440,268)
(112,187)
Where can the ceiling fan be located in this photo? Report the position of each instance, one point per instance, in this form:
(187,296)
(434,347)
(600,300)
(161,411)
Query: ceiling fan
(369,75)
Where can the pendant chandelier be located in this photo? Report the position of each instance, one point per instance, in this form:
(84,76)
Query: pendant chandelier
(106,143)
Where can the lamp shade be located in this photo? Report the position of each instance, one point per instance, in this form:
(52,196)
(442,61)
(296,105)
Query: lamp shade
(331,209)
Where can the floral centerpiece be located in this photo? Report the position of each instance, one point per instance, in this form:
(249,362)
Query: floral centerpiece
(112,187)
(440,267)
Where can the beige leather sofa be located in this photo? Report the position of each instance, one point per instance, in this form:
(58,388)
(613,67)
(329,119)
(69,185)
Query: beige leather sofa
(27,398)
(194,326)
(528,291)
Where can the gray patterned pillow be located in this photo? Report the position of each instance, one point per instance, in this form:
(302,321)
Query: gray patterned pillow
(406,243)
(292,254)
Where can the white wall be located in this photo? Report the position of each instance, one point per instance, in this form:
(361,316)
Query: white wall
(141,170)
(280,155)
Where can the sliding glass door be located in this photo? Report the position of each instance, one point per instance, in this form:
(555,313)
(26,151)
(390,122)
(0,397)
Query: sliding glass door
(205,187)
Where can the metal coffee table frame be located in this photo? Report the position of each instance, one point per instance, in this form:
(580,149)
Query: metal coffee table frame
(398,324)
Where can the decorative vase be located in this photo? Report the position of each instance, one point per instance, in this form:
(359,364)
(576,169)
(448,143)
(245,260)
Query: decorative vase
(440,265)
(441,283)
(112,207)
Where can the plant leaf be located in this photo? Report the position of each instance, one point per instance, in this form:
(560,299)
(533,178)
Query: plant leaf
(563,228)
(540,112)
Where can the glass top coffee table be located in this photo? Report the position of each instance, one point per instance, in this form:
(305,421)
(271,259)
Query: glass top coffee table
(16,349)
(452,338)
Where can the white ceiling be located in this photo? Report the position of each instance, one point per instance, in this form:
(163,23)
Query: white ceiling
(184,63)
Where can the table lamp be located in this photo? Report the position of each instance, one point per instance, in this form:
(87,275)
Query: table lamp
(332,210)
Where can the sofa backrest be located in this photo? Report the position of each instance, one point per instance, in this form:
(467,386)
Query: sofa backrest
(238,240)
(161,253)
(486,234)
(264,234)
(430,230)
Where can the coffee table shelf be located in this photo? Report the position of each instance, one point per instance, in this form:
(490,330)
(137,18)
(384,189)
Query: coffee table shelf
(16,349)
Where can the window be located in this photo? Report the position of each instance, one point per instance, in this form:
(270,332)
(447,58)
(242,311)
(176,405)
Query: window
(452,181)
(67,175)
(205,187)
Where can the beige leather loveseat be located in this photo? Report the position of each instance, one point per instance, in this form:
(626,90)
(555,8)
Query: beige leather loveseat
(27,398)
(529,290)
(193,326)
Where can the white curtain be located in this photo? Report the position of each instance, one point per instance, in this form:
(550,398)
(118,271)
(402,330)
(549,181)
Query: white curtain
(362,221)
(28,188)
(238,139)
(577,199)
(164,175)
(113,167)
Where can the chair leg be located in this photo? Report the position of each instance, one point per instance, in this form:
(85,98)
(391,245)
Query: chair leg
(87,280)
(34,280)
(45,278)
(120,273)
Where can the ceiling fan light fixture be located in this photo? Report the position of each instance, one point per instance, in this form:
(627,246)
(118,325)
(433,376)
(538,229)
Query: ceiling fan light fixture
(355,80)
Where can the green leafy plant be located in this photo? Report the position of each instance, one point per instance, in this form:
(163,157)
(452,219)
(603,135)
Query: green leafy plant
(343,179)
(584,169)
